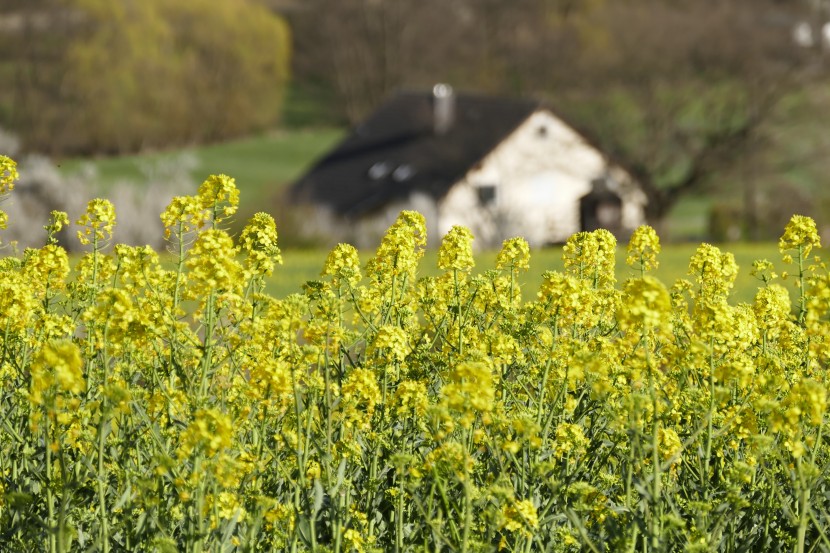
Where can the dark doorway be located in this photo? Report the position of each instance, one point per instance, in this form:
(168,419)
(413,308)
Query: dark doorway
(601,208)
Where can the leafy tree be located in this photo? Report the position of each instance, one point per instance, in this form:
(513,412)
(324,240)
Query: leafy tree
(117,76)
(678,91)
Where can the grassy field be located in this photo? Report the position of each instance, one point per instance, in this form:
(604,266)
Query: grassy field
(262,165)
(302,265)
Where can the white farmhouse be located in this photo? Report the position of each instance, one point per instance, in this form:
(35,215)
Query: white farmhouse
(501,167)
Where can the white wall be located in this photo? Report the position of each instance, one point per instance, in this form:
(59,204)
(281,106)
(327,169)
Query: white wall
(540,178)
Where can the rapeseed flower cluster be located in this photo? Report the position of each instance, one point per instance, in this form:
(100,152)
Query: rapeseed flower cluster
(152,403)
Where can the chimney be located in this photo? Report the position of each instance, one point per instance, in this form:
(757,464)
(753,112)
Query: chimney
(443,108)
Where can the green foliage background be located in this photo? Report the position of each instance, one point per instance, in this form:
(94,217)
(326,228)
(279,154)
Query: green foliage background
(108,77)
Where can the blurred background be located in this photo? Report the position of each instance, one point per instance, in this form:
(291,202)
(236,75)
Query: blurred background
(719,107)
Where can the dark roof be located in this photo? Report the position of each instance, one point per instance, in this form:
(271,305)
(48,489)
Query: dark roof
(396,151)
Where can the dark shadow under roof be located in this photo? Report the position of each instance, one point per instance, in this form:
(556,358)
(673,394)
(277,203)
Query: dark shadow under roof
(396,151)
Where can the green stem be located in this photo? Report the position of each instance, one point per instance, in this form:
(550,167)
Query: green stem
(54,531)
(803,299)
(468,515)
(207,359)
(803,506)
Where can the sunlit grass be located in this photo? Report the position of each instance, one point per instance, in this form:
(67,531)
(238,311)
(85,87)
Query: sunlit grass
(302,265)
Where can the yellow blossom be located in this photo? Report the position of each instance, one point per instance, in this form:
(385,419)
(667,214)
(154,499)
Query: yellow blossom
(400,249)
(56,369)
(343,265)
(456,251)
(360,395)
(219,195)
(520,516)
(259,242)
(570,441)
(643,248)
(514,254)
(8,174)
(209,432)
(98,222)
(410,400)
(800,234)
(212,263)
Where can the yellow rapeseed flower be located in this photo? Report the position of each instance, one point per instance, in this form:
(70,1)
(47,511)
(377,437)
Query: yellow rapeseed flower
(643,247)
(514,254)
(98,221)
(183,214)
(801,233)
(360,395)
(411,400)
(8,174)
(590,256)
(56,369)
(520,516)
(646,304)
(219,195)
(210,432)
(343,265)
(470,390)
(714,271)
(212,263)
(570,441)
(456,251)
(391,344)
(259,241)
(401,248)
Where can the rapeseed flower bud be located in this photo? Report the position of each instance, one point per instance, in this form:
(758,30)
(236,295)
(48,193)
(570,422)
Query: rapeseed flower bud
(210,432)
(360,395)
(98,221)
(713,270)
(643,247)
(590,256)
(646,304)
(570,441)
(343,265)
(391,344)
(219,195)
(800,233)
(521,517)
(8,174)
(259,241)
(56,369)
(400,248)
(514,254)
(456,251)
(185,214)
(410,400)
(212,263)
